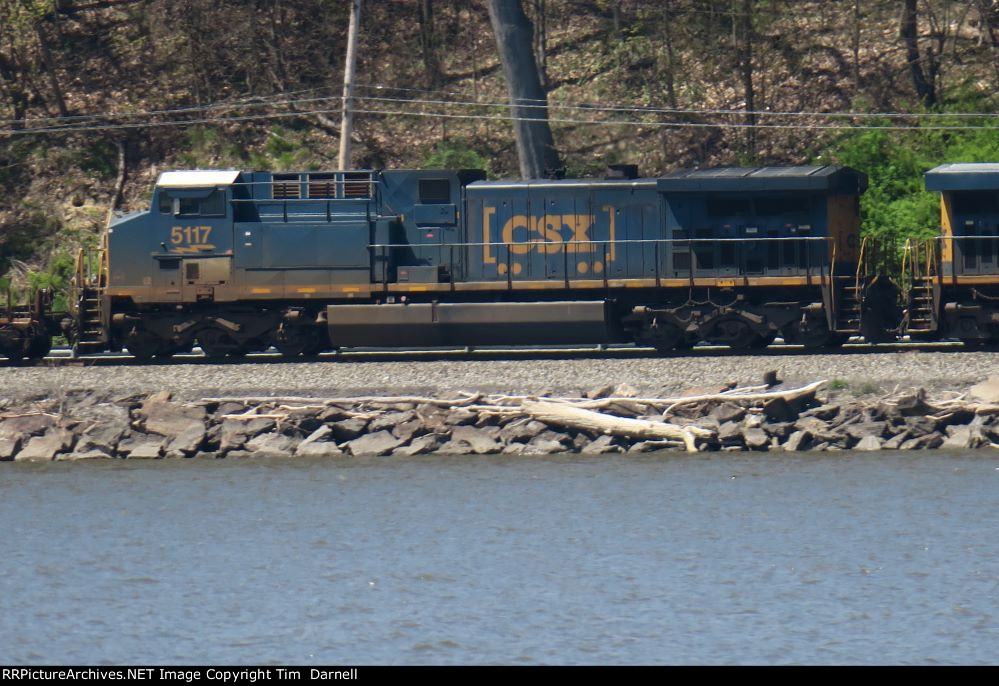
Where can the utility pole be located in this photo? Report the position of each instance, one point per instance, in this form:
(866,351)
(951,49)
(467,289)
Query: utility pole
(347,116)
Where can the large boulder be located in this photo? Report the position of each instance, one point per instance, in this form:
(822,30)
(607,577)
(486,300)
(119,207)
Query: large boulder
(142,447)
(318,449)
(390,420)
(868,443)
(236,432)
(102,428)
(756,439)
(798,440)
(348,429)
(602,445)
(188,442)
(171,419)
(420,445)
(319,444)
(479,441)
(44,448)
(987,390)
(272,445)
(378,443)
(28,424)
(521,431)
(9,445)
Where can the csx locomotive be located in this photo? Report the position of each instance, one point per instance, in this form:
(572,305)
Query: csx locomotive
(236,262)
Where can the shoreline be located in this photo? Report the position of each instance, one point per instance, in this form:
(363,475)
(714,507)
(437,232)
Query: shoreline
(767,417)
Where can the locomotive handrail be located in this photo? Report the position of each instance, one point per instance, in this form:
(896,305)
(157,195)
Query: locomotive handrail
(605,242)
(594,254)
(860,264)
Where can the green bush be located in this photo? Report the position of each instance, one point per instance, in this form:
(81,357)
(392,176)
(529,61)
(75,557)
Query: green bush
(896,203)
(456,154)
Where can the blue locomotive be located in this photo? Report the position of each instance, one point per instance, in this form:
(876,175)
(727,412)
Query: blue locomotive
(237,261)
(953,279)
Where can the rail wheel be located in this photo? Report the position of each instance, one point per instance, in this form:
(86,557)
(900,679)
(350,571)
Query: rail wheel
(764,341)
(143,345)
(734,333)
(171,349)
(813,332)
(216,343)
(39,346)
(11,343)
(662,336)
(292,341)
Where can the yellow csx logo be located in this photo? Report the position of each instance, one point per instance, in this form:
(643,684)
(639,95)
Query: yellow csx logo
(548,234)
(545,233)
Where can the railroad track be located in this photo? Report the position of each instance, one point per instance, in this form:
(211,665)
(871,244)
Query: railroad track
(64,356)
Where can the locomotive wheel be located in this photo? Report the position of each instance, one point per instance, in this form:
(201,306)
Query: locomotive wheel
(764,341)
(813,333)
(664,337)
(292,341)
(215,342)
(39,346)
(143,345)
(974,343)
(734,333)
(11,343)
(171,349)
(322,343)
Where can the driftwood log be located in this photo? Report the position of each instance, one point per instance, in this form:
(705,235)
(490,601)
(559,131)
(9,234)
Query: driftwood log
(560,414)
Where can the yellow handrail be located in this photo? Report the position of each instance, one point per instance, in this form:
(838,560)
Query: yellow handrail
(860,265)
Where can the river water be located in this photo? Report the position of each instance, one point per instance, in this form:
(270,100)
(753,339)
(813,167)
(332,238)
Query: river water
(724,558)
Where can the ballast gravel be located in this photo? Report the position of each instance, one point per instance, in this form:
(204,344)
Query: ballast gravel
(851,371)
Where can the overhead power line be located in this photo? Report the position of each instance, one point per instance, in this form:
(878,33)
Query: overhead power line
(442,108)
(493,117)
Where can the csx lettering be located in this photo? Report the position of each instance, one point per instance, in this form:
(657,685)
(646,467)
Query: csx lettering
(544,234)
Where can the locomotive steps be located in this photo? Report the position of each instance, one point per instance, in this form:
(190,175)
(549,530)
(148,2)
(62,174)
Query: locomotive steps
(607,420)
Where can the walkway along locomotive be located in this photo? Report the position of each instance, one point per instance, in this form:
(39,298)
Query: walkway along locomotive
(238,261)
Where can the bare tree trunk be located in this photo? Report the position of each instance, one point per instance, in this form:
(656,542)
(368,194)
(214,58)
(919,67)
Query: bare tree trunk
(670,56)
(989,18)
(279,74)
(429,45)
(347,118)
(856,45)
(528,101)
(15,93)
(745,24)
(119,184)
(50,71)
(541,42)
(909,31)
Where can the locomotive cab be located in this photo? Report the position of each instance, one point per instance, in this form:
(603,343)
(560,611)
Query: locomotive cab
(959,282)
(180,250)
(969,217)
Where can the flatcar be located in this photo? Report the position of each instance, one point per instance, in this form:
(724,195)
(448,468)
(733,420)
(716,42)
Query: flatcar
(238,261)
(953,278)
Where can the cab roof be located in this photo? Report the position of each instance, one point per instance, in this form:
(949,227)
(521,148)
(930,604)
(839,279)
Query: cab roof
(964,176)
(197,178)
(821,179)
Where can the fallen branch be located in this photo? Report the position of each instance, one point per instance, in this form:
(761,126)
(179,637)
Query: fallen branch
(251,417)
(30,414)
(791,394)
(326,402)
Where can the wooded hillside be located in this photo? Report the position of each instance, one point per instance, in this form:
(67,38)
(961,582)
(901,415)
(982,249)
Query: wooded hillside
(98,96)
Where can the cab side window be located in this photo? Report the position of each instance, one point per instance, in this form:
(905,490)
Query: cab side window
(210,205)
